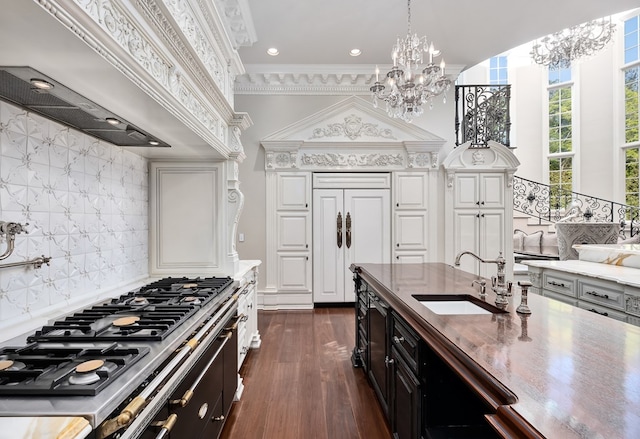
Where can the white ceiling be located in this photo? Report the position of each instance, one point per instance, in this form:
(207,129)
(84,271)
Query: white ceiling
(466,31)
(307,32)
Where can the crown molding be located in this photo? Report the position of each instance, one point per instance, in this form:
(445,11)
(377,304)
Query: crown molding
(238,22)
(330,79)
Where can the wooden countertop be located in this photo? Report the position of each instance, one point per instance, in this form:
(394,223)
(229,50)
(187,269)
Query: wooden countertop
(575,374)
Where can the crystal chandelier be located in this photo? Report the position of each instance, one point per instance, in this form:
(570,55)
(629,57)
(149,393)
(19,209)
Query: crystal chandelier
(410,84)
(561,48)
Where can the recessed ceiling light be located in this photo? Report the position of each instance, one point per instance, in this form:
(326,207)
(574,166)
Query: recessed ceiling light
(112,120)
(355,52)
(41,84)
(272,51)
(154,142)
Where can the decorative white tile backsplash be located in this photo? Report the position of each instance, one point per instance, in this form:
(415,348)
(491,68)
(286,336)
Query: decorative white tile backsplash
(86,204)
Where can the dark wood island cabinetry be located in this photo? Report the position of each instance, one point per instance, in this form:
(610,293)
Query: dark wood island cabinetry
(499,374)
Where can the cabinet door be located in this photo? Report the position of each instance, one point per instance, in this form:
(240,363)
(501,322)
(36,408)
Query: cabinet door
(466,238)
(410,230)
(294,271)
(410,190)
(492,190)
(466,191)
(406,408)
(294,231)
(491,239)
(370,214)
(328,250)
(294,191)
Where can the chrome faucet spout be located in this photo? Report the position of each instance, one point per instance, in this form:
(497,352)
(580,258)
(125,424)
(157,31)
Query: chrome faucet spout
(499,284)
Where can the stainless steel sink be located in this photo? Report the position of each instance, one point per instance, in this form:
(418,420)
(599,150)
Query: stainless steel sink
(457,304)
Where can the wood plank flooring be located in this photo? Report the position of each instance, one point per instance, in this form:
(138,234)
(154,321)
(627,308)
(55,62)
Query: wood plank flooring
(300,383)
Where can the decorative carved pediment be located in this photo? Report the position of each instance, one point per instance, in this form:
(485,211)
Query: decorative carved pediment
(351,135)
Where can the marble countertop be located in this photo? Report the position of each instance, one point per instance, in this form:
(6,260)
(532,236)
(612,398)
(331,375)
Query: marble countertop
(575,374)
(614,273)
(62,427)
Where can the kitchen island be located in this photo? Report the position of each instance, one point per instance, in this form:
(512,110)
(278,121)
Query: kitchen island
(559,372)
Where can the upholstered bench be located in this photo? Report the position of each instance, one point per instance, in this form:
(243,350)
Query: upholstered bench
(536,245)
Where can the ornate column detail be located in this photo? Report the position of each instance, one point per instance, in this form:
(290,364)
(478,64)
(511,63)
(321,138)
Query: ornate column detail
(450,179)
(235,203)
(434,159)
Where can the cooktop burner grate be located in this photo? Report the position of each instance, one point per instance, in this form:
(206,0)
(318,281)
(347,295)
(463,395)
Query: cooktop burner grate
(50,369)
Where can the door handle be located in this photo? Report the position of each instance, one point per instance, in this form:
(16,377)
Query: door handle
(348,221)
(339,228)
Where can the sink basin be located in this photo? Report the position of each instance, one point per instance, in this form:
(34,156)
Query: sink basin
(457,304)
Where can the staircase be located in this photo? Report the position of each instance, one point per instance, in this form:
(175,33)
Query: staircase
(545,205)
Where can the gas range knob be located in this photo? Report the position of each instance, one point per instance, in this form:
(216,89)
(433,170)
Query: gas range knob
(202,411)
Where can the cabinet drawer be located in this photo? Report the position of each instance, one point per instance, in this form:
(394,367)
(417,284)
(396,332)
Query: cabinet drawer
(607,312)
(406,341)
(605,295)
(560,283)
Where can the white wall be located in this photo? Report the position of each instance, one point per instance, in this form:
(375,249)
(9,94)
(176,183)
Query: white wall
(86,204)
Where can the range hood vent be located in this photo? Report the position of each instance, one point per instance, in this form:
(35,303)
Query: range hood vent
(61,104)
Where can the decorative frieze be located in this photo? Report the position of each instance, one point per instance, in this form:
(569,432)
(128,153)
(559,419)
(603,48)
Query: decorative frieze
(340,160)
(353,127)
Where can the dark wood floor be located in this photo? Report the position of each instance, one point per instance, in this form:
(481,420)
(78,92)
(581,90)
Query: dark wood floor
(300,383)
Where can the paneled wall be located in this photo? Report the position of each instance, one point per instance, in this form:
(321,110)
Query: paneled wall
(86,203)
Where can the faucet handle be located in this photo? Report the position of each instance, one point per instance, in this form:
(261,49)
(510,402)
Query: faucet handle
(509,285)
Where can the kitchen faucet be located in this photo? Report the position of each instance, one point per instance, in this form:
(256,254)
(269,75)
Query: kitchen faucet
(498,284)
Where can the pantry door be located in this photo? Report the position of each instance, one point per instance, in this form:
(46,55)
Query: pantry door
(349,226)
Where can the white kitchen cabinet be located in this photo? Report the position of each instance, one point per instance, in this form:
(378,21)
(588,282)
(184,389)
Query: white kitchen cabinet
(293,232)
(293,191)
(480,231)
(479,190)
(479,206)
(349,226)
(410,220)
(248,334)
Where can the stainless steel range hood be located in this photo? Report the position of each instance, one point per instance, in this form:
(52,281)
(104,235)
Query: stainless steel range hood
(63,105)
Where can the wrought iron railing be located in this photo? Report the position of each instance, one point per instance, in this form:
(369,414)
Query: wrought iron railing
(552,203)
(482,114)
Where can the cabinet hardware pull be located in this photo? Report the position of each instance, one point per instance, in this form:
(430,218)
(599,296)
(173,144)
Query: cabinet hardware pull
(397,340)
(477,215)
(388,360)
(166,426)
(306,246)
(477,203)
(307,258)
(398,244)
(218,418)
(339,228)
(482,215)
(594,293)
(398,257)
(397,204)
(598,312)
(348,221)
(482,203)
(551,282)
(306,204)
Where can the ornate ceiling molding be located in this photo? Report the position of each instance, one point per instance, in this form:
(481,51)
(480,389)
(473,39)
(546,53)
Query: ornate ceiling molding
(321,83)
(238,21)
(182,62)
